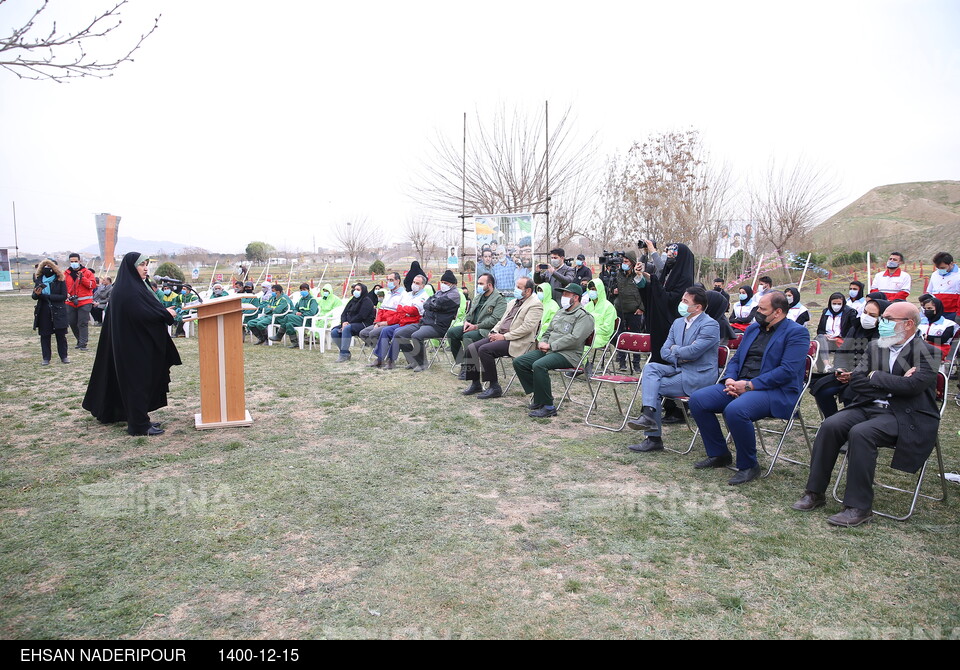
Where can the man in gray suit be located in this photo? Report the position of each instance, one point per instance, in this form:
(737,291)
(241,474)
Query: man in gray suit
(690,353)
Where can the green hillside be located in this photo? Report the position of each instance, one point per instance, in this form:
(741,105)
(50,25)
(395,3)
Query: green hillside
(918,218)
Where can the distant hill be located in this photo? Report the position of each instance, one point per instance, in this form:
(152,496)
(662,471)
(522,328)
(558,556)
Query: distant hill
(127,244)
(918,218)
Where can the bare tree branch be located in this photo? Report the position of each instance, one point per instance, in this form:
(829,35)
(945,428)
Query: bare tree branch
(422,235)
(356,237)
(31,54)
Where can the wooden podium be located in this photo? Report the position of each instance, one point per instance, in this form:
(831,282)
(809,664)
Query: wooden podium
(222,404)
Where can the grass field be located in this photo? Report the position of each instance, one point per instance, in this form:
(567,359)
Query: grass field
(384,504)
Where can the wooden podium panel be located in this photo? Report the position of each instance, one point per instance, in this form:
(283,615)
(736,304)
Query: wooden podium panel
(222,402)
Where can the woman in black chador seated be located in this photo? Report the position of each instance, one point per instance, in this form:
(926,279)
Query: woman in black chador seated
(131,375)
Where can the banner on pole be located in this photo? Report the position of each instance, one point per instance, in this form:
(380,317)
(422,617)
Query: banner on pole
(504,247)
(735,236)
(6,280)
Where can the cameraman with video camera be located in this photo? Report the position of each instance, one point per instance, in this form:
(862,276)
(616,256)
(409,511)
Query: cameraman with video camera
(558,273)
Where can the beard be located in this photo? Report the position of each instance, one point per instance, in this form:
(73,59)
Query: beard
(891,341)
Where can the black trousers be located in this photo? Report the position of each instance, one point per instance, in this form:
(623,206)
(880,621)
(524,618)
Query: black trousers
(486,353)
(864,429)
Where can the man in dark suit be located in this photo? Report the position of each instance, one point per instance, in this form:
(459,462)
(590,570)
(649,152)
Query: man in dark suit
(690,353)
(895,406)
(764,379)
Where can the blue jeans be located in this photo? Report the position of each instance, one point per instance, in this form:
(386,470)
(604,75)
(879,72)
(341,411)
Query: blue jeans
(739,414)
(384,342)
(341,336)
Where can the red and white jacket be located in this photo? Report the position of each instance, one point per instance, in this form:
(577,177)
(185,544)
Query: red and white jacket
(895,284)
(947,289)
(82,285)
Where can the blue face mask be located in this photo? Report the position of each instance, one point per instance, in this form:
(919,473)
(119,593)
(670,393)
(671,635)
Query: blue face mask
(592,295)
(517,294)
(886,328)
(578,262)
(683,310)
(356,294)
(854,293)
(75,266)
(743,297)
(391,285)
(480,289)
(304,294)
(166,291)
(539,296)
(625,267)
(270,295)
(943,273)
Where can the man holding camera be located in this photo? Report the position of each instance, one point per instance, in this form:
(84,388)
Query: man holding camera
(80,285)
(558,273)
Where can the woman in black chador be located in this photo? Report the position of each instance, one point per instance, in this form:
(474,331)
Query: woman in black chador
(662,295)
(131,375)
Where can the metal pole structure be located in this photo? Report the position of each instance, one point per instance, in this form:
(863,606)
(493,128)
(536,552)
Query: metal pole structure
(867,283)
(262,272)
(463,201)
(213,274)
(546,120)
(756,273)
(290,278)
(16,244)
(804,273)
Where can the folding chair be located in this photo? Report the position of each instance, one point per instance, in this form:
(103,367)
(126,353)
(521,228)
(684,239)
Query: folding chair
(577,371)
(796,415)
(723,355)
(734,342)
(629,343)
(436,348)
(914,492)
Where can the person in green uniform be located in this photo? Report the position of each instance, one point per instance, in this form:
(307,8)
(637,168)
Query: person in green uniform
(172,299)
(274,303)
(603,311)
(248,297)
(330,305)
(306,306)
(487,308)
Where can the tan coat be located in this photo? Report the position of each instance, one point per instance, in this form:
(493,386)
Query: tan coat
(525,325)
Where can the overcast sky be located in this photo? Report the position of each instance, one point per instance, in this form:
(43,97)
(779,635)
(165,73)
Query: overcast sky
(276,120)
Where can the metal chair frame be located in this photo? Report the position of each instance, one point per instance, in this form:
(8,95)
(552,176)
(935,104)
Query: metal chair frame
(630,344)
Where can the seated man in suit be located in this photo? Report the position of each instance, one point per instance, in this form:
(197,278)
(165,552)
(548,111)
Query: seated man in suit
(560,347)
(764,379)
(512,335)
(895,405)
(691,355)
(486,309)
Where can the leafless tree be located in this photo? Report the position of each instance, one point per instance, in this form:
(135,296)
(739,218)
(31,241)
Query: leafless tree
(30,51)
(506,171)
(422,235)
(356,237)
(788,201)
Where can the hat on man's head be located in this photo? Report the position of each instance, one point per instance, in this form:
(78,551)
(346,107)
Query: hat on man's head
(581,257)
(449,278)
(632,255)
(573,288)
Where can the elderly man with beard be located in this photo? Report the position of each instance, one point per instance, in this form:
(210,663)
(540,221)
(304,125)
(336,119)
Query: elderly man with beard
(895,405)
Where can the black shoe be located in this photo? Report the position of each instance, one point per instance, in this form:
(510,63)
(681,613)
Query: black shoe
(744,476)
(543,412)
(343,358)
(83,348)
(376,364)
(493,391)
(420,368)
(45,361)
(65,359)
(646,421)
(388,365)
(535,405)
(474,387)
(275,338)
(156,424)
(850,517)
(463,375)
(153,430)
(809,501)
(412,366)
(672,418)
(714,462)
(649,444)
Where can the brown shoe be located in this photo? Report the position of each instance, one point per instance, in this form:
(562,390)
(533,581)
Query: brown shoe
(809,501)
(389,364)
(850,517)
(376,364)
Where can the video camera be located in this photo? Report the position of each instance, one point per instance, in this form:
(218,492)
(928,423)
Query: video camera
(611,258)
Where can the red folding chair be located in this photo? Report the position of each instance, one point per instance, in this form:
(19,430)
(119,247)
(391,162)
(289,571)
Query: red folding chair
(914,492)
(629,344)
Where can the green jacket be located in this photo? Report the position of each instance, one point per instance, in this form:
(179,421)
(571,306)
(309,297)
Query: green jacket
(491,312)
(550,307)
(307,306)
(568,332)
(250,299)
(329,305)
(604,315)
(279,306)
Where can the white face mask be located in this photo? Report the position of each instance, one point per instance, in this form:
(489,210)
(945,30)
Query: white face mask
(868,321)
(565,302)
(444,287)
